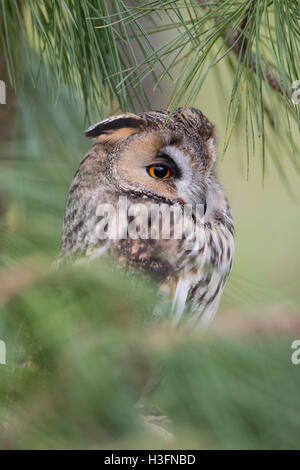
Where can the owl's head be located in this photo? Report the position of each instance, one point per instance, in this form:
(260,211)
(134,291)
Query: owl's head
(169,157)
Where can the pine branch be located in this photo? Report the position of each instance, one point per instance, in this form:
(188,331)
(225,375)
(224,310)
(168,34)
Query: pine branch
(102,52)
(237,40)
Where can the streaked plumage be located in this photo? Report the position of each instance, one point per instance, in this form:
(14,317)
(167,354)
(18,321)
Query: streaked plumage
(116,166)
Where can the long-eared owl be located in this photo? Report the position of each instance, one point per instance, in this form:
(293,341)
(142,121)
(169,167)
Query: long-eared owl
(156,160)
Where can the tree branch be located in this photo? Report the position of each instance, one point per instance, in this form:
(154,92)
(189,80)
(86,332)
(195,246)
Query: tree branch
(237,40)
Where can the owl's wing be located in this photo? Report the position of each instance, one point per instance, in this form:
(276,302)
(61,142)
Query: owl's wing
(180,298)
(197,298)
(202,276)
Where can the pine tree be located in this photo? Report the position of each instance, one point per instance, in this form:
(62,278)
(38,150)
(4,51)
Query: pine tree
(102,51)
(76,348)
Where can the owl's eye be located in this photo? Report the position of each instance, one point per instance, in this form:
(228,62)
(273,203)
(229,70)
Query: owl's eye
(159,171)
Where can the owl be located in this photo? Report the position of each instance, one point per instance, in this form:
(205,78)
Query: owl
(165,161)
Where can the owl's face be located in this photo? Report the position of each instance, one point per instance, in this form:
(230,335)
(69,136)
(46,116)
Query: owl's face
(169,158)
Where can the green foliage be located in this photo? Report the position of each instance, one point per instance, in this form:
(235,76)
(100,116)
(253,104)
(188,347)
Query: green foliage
(79,351)
(90,62)
(103,51)
(78,361)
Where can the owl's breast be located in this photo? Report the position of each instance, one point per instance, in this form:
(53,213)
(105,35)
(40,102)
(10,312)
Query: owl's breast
(189,260)
(203,274)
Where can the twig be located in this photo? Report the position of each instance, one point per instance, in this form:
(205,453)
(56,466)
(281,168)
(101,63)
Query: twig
(237,40)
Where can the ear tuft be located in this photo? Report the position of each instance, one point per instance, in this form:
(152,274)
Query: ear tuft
(115,128)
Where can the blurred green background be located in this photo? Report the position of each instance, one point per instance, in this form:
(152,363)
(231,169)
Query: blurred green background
(78,354)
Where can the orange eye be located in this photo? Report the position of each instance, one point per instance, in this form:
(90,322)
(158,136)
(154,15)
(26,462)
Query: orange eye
(159,171)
